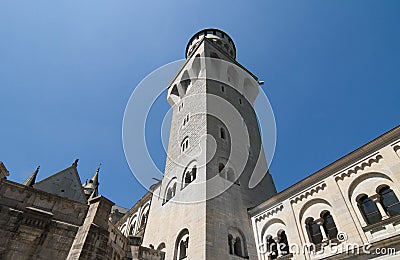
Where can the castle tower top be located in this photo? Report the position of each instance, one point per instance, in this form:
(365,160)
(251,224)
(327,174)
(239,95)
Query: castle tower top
(223,40)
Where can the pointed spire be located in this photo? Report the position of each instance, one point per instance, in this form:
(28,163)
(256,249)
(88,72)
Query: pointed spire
(31,179)
(95,178)
(91,187)
(95,181)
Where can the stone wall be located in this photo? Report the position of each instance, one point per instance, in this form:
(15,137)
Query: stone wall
(36,224)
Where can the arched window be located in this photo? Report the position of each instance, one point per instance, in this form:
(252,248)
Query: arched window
(272,248)
(222,133)
(185,144)
(144,218)
(369,210)
(238,247)
(314,231)
(196,65)
(390,201)
(175,91)
(283,243)
(237,243)
(132,229)
(329,225)
(185,81)
(190,174)
(123,229)
(170,191)
(182,245)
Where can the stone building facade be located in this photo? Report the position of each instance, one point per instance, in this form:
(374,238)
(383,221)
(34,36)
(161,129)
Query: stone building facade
(48,220)
(217,199)
(350,208)
(188,217)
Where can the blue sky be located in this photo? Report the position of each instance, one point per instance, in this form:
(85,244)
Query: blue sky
(67,69)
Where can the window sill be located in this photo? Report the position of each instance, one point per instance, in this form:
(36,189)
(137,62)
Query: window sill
(288,256)
(238,257)
(381,223)
(326,242)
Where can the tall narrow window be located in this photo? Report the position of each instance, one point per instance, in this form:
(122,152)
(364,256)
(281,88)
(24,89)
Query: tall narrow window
(170,191)
(329,225)
(186,120)
(189,175)
(222,133)
(185,144)
(369,210)
(132,230)
(230,244)
(283,243)
(272,247)
(182,245)
(183,248)
(238,247)
(314,231)
(390,201)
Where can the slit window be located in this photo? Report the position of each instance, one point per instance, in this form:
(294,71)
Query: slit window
(186,120)
(222,133)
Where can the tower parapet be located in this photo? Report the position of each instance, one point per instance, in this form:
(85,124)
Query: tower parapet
(222,39)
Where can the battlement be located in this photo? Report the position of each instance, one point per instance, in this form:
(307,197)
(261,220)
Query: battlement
(219,37)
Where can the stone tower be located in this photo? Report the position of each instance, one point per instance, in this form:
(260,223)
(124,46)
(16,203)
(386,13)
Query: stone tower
(216,167)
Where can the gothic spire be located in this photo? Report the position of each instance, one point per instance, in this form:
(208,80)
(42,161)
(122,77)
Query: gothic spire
(95,177)
(31,179)
(91,187)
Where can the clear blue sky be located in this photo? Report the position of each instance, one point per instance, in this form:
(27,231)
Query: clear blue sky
(67,69)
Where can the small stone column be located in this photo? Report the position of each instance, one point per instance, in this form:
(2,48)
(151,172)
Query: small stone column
(278,246)
(232,245)
(320,223)
(377,199)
